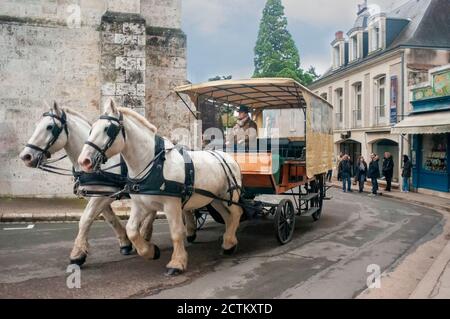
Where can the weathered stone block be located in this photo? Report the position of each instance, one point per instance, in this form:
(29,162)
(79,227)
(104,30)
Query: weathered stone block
(125,88)
(135,76)
(140,64)
(133,101)
(113,49)
(140,90)
(125,63)
(134,51)
(133,28)
(109,89)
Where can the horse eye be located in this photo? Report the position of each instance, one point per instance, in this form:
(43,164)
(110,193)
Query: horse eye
(106,129)
(49,128)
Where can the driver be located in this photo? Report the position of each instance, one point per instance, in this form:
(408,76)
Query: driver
(244,133)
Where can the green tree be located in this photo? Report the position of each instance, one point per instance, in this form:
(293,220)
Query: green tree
(276,54)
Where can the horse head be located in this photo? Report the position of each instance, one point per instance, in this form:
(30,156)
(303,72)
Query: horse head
(49,136)
(106,139)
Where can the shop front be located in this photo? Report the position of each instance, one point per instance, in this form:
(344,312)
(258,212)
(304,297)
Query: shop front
(428,129)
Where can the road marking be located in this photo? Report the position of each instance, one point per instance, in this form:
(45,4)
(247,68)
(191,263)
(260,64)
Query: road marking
(20,228)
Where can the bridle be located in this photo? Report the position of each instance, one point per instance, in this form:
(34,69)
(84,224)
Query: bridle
(112,131)
(56,132)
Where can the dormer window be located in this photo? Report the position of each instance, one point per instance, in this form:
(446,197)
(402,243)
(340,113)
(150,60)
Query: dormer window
(338,46)
(354,43)
(376,33)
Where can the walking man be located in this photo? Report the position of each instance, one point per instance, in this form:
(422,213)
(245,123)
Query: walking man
(374,173)
(345,167)
(388,170)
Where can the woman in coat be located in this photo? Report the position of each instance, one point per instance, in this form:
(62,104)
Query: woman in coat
(406,173)
(374,173)
(361,172)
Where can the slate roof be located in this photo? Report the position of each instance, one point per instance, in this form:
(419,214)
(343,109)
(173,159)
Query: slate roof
(429,26)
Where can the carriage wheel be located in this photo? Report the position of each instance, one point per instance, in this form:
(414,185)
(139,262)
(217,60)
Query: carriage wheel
(317,187)
(284,221)
(200,218)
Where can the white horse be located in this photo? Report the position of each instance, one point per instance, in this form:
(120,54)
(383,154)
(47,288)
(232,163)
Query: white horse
(135,138)
(50,136)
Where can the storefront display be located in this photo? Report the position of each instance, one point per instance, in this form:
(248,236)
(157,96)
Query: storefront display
(435,153)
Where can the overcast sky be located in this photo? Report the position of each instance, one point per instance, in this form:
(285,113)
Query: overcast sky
(222,33)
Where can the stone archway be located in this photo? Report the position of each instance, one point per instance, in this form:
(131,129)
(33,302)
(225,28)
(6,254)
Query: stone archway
(381,146)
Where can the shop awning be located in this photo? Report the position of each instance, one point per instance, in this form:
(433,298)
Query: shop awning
(424,123)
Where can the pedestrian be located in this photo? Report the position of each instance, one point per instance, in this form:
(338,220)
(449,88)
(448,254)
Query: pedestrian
(346,173)
(388,170)
(406,173)
(361,172)
(374,173)
(339,159)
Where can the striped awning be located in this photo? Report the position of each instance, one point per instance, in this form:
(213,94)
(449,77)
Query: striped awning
(424,123)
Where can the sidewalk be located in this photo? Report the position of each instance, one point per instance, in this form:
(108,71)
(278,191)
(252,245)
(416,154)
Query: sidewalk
(435,279)
(52,210)
(411,197)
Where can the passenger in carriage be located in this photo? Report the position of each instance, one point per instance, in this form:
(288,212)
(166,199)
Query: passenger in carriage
(244,134)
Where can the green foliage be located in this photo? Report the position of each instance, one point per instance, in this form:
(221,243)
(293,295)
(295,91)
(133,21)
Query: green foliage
(276,54)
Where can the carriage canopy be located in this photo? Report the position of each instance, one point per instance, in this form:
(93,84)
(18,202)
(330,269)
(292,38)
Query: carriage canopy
(267,94)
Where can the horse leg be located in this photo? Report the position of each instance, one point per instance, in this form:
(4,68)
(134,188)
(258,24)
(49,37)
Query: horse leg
(174,214)
(146,229)
(143,248)
(191,226)
(125,245)
(81,245)
(232,216)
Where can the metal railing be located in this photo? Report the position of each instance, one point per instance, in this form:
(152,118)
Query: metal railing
(356,119)
(380,115)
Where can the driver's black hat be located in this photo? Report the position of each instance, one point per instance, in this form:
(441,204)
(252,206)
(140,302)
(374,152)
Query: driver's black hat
(244,108)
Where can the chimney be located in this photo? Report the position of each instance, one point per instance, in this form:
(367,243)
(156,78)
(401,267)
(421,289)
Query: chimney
(339,35)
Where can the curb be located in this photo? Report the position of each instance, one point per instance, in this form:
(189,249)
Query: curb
(432,278)
(56,217)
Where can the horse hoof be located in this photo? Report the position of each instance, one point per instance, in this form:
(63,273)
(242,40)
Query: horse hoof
(192,238)
(78,261)
(126,250)
(231,251)
(157,253)
(173,272)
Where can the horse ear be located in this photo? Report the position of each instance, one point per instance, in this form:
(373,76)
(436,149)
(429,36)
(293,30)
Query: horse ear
(110,107)
(55,108)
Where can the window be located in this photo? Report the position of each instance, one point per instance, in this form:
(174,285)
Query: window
(354,45)
(434,153)
(358,101)
(336,56)
(375,38)
(380,99)
(339,108)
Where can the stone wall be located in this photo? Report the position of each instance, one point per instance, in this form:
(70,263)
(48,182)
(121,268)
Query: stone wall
(47,54)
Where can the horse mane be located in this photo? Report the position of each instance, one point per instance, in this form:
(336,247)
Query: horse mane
(75,113)
(138,118)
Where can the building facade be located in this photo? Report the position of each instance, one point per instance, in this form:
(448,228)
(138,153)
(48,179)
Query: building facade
(428,127)
(79,53)
(374,66)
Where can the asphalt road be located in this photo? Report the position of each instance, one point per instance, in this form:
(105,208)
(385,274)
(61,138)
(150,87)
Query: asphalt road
(326,259)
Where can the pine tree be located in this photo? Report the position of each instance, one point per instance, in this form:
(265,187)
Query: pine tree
(276,54)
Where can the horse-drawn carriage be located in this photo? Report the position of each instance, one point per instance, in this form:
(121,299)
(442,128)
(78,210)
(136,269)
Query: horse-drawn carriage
(291,156)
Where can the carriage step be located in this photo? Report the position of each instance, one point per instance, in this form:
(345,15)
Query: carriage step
(310,211)
(308,197)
